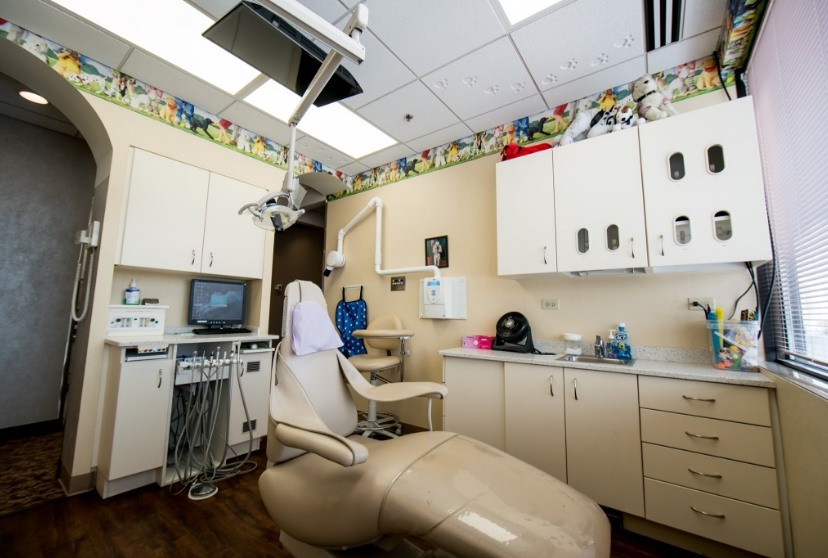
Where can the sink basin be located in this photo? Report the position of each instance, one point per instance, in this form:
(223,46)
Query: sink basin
(589,359)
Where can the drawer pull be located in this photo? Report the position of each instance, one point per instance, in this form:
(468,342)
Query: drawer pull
(699,473)
(701,436)
(708,514)
(551,391)
(687,397)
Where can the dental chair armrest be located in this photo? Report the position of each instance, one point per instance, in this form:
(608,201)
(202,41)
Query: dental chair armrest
(388,392)
(332,447)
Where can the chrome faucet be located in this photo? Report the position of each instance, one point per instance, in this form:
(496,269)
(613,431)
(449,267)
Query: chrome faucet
(599,347)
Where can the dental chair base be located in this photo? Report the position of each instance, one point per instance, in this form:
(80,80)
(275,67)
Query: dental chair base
(455,493)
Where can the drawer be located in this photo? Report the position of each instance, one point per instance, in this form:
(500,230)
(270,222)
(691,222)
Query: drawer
(733,440)
(738,524)
(741,481)
(706,399)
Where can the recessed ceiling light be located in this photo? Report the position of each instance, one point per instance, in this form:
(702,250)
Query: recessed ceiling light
(34,98)
(333,124)
(170,29)
(518,10)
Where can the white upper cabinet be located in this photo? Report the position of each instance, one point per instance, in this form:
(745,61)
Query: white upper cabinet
(164,227)
(526,215)
(233,245)
(599,206)
(705,199)
(183,218)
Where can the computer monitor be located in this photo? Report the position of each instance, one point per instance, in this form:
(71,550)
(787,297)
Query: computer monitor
(218,304)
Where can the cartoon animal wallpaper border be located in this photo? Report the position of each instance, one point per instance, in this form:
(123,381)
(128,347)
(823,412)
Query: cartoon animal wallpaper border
(684,81)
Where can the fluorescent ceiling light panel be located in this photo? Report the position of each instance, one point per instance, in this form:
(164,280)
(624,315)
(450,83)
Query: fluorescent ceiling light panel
(518,10)
(171,30)
(333,124)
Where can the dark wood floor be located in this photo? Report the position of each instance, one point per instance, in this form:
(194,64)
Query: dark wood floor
(151,521)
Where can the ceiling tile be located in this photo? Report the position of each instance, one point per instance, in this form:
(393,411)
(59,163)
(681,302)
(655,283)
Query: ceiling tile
(580,39)
(624,73)
(170,79)
(214,8)
(429,114)
(525,107)
(66,30)
(441,137)
(254,120)
(380,73)
(325,154)
(427,34)
(490,77)
(687,50)
(355,168)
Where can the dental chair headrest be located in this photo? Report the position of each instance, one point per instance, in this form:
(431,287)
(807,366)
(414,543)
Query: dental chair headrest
(312,329)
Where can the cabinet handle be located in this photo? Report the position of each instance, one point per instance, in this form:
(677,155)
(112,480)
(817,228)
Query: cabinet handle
(544,256)
(701,436)
(632,247)
(699,473)
(192,262)
(661,239)
(687,397)
(160,376)
(708,514)
(211,259)
(551,391)
(575,386)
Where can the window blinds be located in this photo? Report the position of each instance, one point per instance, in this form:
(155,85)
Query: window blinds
(787,75)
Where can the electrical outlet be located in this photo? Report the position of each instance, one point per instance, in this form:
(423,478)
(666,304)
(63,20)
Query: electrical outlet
(705,302)
(550,304)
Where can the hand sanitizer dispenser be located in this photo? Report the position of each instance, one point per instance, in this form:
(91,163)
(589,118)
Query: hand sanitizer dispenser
(443,298)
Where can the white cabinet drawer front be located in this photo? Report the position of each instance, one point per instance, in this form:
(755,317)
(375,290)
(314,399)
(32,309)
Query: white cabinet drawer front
(742,481)
(733,440)
(706,399)
(745,526)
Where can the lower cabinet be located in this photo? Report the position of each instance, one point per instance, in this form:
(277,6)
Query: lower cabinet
(246,410)
(580,426)
(709,462)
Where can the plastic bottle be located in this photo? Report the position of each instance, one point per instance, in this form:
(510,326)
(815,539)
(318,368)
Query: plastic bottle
(622,344)
(132,295)
(612,345)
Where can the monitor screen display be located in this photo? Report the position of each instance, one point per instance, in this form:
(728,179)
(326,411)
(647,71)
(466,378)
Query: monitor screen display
(217,303)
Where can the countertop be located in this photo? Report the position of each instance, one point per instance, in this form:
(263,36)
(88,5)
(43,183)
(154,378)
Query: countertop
(680,370)
(182,338)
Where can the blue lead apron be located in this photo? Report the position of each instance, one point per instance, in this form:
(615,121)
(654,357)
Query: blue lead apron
(350,316)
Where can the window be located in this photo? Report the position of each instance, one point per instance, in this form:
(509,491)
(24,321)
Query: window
(786,69)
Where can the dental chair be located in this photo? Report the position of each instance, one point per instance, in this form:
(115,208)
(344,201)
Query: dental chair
(386,335)
(427,494)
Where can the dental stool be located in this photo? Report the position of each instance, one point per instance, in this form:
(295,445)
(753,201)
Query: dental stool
(434,494)
(385,334)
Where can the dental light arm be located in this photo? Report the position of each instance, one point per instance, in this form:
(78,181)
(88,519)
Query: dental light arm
(279,209)
(336,258)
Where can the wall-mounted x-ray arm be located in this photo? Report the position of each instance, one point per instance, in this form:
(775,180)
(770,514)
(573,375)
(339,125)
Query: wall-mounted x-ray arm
(270,21)
(336,258)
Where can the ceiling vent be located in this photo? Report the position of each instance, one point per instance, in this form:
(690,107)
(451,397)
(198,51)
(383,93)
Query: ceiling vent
(663,22)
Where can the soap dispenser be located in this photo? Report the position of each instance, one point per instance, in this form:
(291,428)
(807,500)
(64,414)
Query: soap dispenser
(132,294)
(622,344)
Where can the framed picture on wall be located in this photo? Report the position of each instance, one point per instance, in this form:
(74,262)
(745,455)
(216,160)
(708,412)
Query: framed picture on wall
(436,251)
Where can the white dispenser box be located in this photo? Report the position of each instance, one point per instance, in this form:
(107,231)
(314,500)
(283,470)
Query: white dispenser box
(443,299)
(129,319)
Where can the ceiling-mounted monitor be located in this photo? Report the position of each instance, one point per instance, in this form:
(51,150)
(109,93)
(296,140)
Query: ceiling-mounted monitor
(277,49)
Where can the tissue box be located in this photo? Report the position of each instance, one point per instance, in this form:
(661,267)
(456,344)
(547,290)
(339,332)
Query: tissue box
(735,345)
(477,342)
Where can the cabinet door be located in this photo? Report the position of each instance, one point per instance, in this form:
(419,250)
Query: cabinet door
(603,440)
(599,204)
(233,245)
(142,416)
(535,430)
(474,404)
(526,215)
(164,224)
(252,413)
(705,200)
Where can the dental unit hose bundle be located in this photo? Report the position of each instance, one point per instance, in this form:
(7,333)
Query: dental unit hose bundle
(194,428)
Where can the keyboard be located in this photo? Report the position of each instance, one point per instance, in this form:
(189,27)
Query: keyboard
(221,330)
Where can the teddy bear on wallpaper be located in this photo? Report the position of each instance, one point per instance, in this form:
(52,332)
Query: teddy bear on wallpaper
(652,103)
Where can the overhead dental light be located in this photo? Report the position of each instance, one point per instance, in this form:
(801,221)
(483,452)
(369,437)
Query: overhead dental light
(268,35)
